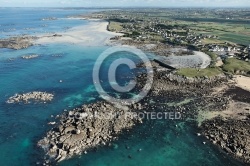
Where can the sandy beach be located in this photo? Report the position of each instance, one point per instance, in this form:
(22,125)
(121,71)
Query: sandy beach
(92,34)
(242,82)
(235,110)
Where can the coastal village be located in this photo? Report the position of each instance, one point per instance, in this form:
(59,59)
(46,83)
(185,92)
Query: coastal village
(141,29)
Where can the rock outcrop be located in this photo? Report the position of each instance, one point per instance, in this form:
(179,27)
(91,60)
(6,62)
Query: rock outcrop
(84,128)
(17,43)
(31,96)
(230,135)
(195,80)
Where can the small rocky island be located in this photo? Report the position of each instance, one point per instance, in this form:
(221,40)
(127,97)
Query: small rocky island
(84,128)
(49,19)
(23,41)
(31,96)
(17,43)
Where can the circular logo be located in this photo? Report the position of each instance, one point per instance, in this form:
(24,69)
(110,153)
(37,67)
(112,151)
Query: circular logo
(112,79)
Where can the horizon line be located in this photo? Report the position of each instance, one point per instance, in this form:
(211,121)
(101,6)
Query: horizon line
(118,7)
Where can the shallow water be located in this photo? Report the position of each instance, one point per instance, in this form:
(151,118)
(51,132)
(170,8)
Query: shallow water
(16,21)
(154,143)
(22,125)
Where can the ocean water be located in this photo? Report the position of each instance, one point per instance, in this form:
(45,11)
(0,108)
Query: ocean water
(16,21)
(154,143)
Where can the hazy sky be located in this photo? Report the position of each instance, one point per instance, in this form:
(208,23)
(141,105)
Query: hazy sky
(124,3)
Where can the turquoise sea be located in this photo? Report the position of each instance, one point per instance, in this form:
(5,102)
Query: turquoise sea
(154,143)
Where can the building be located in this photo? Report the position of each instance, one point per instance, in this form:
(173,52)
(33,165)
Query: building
(249,51)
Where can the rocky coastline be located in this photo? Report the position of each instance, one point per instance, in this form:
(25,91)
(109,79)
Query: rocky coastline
(172,76)
(230,130)
(79,130)
(231,135)
(222,127)
(225,125)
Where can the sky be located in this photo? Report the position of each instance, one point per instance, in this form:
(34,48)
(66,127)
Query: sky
(124,3)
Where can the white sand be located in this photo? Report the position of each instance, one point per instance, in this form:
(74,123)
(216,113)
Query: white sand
(93,34)
(242,82)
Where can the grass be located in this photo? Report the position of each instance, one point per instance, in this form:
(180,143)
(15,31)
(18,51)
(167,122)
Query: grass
(158,38)
(233,65)
(212,41)
(236,38)
(192,72)
(213,57)
(235,33)
(114,26)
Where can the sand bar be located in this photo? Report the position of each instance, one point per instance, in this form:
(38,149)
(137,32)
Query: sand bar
(93,34)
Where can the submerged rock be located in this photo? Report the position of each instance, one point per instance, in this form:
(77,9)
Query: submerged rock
(49,19)
(30,56)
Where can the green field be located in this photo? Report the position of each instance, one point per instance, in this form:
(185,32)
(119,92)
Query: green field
(232,27)
(114,26)
(230,32)
(191,72)
(226,31)
(233,65)
(236,38)
(212,41)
